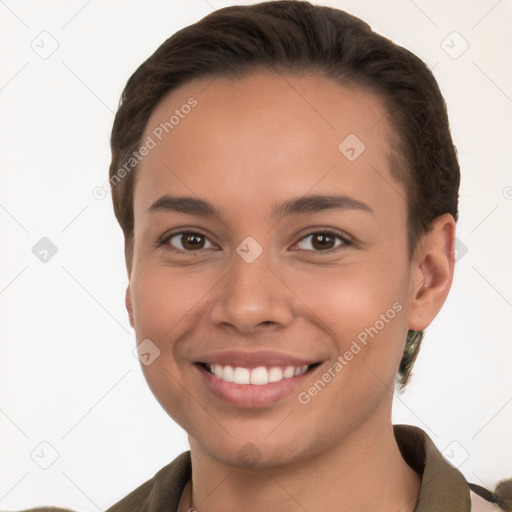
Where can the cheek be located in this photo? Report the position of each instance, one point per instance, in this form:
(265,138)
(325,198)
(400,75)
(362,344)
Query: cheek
(367,326)
(363,310)
(161,302)
(349,299)
(167,305)
(163,299)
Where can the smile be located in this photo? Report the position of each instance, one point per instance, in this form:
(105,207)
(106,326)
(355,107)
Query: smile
(256,376)
(257,387)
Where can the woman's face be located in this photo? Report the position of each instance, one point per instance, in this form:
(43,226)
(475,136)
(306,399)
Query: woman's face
(267,279)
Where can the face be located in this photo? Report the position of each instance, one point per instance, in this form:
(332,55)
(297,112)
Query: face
(251,276)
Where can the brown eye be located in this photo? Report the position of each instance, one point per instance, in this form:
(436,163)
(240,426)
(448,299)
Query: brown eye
(190,241)
(322,241)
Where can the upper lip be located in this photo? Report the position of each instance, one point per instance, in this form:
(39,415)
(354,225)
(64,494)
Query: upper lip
(267,358)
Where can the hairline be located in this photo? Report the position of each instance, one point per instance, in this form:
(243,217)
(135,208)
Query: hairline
(397,161)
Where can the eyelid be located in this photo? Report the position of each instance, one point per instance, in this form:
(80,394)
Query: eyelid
(346,239)
(164,239)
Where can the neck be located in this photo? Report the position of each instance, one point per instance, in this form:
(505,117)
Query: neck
(364,471)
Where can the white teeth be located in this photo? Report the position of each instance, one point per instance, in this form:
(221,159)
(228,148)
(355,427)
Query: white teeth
(300,370)
(227,373)
(241,376)
(288,372)
(217,369)
(275,375)
(257,376)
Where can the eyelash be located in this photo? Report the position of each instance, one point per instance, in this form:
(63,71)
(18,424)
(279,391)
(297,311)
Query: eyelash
(329,231)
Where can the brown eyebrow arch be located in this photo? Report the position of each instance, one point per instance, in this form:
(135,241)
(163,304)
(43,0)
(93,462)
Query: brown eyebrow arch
(316,204)
(184,204)
(301,205)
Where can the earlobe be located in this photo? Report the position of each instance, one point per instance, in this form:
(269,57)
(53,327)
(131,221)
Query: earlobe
(432,273)
(128,303)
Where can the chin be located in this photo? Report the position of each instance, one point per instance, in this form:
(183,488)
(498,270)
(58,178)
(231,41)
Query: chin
(251,452)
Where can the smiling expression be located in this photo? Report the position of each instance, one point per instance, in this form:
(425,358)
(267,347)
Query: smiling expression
(262,250)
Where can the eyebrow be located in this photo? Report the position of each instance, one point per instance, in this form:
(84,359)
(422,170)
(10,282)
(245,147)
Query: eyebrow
(300,205)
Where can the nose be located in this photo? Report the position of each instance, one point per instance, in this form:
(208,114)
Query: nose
(252,297)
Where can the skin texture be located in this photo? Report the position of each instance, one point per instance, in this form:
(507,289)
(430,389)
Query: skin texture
(250,143)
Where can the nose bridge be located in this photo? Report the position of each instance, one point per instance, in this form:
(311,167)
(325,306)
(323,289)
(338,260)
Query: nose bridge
(251,294)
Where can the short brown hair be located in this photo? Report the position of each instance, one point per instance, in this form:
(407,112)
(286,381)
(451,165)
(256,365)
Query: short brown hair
(296,36)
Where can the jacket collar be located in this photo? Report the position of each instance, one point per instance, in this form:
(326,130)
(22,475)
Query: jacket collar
(443,487)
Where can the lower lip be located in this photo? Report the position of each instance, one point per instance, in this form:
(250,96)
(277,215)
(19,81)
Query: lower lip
(252,396)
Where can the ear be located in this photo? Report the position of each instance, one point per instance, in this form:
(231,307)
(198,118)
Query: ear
(432,272)
(128,303)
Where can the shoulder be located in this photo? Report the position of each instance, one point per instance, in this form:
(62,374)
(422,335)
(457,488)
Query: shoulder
(442,483)
(483,500)
(161,492)
(478,504)
(47,509)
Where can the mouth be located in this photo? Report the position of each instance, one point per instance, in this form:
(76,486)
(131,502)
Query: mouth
(259,376)
(256,387)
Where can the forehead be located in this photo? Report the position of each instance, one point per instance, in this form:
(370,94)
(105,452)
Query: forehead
(263,134)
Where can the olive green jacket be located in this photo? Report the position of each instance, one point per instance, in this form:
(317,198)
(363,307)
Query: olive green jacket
(443,487)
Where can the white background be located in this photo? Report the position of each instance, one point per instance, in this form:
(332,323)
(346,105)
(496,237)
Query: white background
(67,372)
